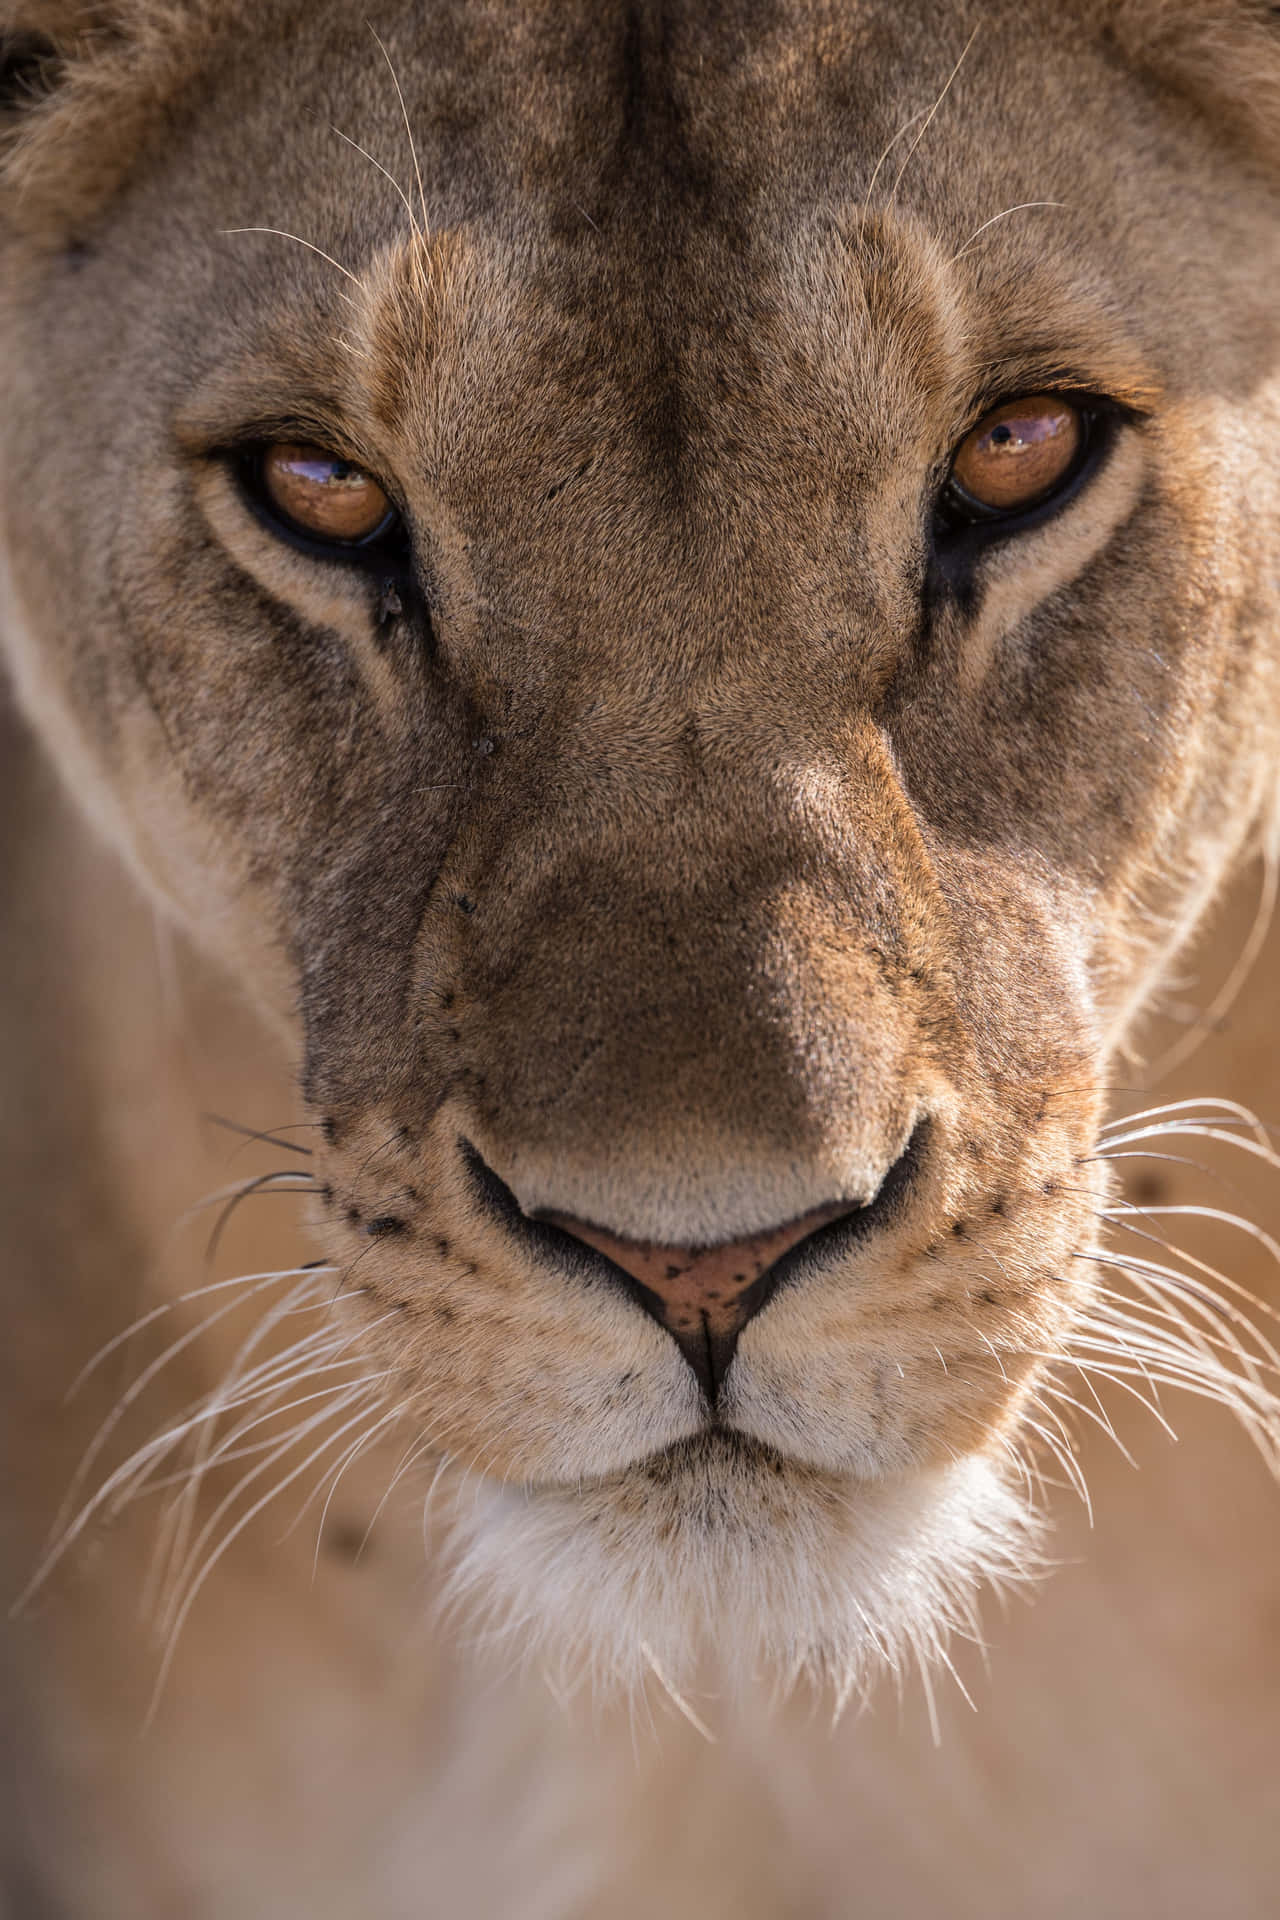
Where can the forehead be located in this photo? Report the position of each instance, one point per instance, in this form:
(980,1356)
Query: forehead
(670,110)
(861,207)
(677,174)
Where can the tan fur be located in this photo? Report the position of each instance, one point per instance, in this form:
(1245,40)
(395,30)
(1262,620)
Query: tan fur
(681,844)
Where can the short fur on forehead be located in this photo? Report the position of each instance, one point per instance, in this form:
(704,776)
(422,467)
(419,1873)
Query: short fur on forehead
(115,66)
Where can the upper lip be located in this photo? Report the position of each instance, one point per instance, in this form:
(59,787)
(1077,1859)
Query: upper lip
(825,1247)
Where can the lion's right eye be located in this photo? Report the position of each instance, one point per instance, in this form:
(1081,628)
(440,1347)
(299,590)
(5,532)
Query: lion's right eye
(323,497)
(1018,456)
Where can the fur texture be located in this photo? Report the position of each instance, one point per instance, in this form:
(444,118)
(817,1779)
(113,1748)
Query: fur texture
(680,836)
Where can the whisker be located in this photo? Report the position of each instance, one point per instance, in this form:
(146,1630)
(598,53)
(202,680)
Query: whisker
(386,174)
(349,1457)
(886,150)
(1024,206)
(261,1183)
(280,234)
(237,1387)
(412,1454)
(1226,995)
(425,226)
(345,1394)
(1099,1416)
(929,118)
(1126,1224)
(1267,1153)
(1066,1460)
(1211,1104)
(134,1392)
(168,1306)
(196,1584)
(255,1133)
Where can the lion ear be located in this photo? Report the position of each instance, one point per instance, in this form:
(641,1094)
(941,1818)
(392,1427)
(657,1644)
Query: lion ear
(31,65)
(38,41)
(1223,55)
(82,84)
(41,42)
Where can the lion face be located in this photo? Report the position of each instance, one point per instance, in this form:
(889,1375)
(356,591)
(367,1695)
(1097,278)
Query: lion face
(706,851)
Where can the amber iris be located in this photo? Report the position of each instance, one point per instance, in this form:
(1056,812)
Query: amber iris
(322,494)
(1019,453)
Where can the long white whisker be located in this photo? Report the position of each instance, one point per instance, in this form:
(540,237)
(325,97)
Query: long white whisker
(348,1459)
(347,1394)
(280,234)
(224,1545)
(1024,206)
(1210,1105)
(413,146)
(1225,997)
(386,174)
(929,118)
(169,1306)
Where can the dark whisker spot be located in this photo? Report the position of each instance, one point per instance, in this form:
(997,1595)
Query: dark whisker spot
(385,1227)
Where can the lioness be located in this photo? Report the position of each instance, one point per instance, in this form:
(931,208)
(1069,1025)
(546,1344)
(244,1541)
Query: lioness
(638,636)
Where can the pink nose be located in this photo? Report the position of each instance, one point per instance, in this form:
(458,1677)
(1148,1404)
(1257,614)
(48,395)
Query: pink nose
(704,1295)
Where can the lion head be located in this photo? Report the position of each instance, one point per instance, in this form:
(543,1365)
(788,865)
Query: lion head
(687,596)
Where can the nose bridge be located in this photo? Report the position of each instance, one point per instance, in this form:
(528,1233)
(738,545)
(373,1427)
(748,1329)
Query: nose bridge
(728,1056)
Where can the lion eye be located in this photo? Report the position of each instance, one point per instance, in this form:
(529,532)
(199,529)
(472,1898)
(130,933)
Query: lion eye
(322,495)
(1018,455)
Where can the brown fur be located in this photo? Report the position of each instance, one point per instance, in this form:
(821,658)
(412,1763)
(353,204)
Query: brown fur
(678,841)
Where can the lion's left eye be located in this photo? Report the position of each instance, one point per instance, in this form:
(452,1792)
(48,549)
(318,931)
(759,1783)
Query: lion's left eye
(1017,457)
(321,496)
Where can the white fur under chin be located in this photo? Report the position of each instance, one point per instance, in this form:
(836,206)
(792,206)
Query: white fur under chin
(719,1554)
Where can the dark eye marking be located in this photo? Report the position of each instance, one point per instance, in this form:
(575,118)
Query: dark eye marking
(1021,464)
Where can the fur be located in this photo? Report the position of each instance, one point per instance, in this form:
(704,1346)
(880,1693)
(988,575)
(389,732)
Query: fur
(678,837)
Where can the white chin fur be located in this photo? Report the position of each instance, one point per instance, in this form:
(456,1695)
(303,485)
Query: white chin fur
(718,1553)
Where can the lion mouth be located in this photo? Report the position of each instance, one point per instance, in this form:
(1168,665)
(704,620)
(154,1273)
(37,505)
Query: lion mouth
(702,1296)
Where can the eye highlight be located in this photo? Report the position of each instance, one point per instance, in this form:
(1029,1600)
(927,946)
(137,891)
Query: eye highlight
(322,496)
(1017,457)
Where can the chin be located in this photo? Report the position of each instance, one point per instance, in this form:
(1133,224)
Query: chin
(719,1562)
